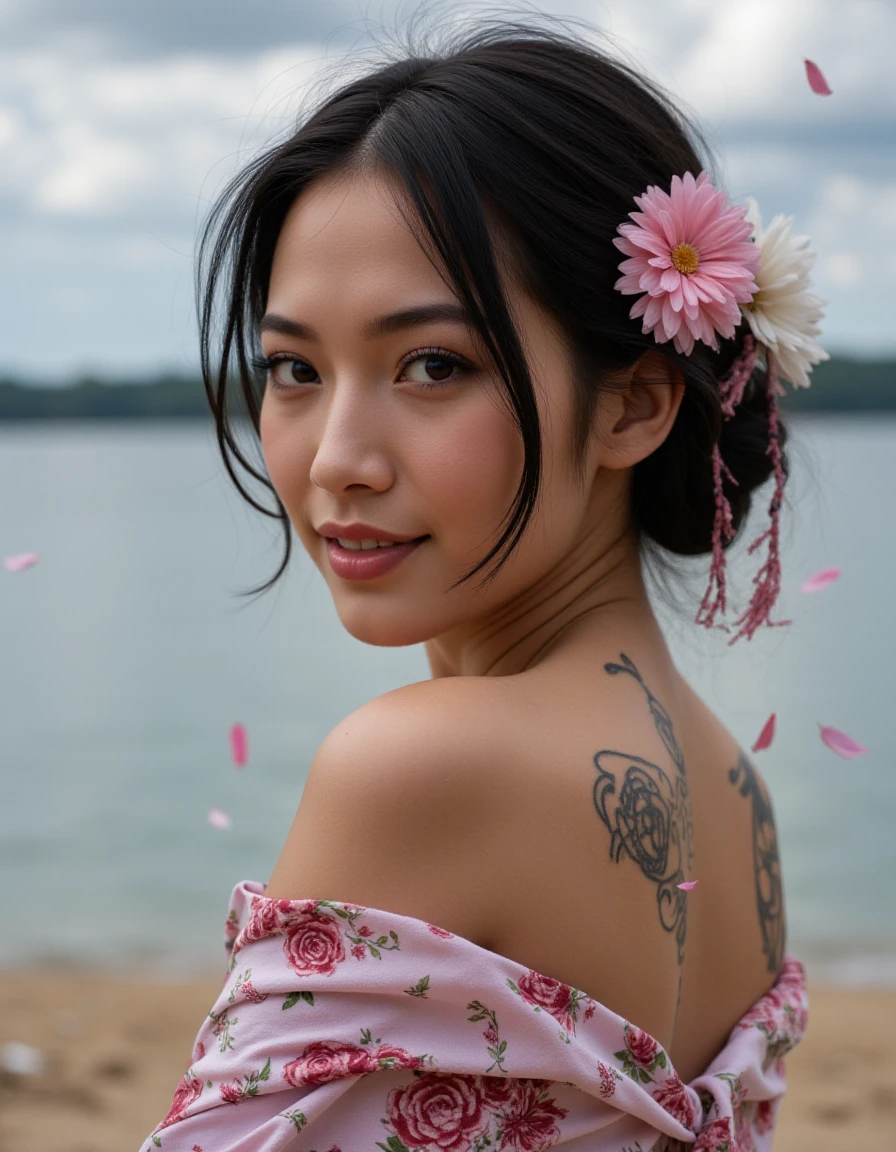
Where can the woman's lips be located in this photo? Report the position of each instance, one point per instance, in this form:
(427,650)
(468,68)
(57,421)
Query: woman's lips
(352,564)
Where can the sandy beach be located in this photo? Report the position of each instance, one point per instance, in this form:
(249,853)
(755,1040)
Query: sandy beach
(114,1050)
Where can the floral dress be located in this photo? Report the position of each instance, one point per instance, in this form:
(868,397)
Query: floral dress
(348,1029)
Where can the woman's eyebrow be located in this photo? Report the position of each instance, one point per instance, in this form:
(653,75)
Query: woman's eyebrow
(382,325)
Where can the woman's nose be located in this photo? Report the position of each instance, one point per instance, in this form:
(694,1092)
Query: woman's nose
(350,449)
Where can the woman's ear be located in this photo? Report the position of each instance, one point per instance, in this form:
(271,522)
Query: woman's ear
(637,411)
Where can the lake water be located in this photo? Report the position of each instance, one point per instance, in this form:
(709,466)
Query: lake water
(126,657)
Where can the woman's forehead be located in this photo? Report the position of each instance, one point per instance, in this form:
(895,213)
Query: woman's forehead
(350,215)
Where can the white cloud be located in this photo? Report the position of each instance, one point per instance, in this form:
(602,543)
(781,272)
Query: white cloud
(104,138)
(853,227)
(109,163)
(10,126)
(842,193)
(841,269)
(739,61)
(91,174)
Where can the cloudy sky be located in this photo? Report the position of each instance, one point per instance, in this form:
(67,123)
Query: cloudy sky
(120,122)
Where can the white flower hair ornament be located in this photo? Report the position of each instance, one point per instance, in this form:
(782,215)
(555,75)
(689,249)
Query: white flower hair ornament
(702,267)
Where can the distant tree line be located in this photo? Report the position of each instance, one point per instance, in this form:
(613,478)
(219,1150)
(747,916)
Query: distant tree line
(840,384)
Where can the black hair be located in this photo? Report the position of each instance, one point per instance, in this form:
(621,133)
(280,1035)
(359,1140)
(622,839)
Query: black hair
(520,138)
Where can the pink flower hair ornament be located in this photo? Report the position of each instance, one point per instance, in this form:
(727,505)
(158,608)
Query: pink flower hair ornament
(702,267)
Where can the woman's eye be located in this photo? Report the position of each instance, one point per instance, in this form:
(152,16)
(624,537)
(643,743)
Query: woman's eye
(292,371)
(434,368)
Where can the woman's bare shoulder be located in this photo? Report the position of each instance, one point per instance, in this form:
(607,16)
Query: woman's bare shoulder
(573,808)
(392,812)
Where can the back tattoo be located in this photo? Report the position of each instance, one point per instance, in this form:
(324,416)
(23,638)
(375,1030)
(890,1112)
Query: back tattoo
(648,813)
(766,865)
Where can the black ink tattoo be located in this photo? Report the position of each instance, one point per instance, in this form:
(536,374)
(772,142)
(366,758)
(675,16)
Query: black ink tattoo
(766,865)
(648,813)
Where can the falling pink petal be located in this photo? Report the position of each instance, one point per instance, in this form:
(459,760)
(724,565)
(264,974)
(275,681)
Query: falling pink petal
(21,562)
(820,580)
(688,885)
(817,81)
(239,744)
(840,743)
(218,819)
(766,735)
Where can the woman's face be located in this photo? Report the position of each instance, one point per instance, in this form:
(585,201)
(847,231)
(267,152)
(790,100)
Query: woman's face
(385,429)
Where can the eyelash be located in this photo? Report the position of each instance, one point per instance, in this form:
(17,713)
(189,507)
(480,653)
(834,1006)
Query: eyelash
(266,365)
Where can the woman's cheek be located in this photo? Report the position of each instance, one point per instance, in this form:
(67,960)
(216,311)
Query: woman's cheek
(287,462)
(472,471)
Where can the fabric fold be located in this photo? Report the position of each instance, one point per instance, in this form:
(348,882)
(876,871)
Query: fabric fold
(341,1029)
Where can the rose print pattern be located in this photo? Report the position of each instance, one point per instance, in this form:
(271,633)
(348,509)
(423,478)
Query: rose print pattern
(444,1113)
(529,1120)
(497,1046)
(560,1000)
(313,945)
(764,1116)
(641,1054)
(450,1113)
(390,1033)
(643,1048)
(327,1060)
(608,1077)
(188,1090)
(742,1112)
(715,1137)
(672,1094)
(223,1028)
(782,1013)
(231,929)
(237,1092)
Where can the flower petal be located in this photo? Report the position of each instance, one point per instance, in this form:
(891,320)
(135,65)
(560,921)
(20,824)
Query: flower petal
(629,284)
(648,242)
(766,735)
(653,310)
(840,743)
(820,580)
(670,279)
(684,341)
(239,744)
(688,885)
(817,82)
(20,562)
(218,819)
(625,245)
(671,320)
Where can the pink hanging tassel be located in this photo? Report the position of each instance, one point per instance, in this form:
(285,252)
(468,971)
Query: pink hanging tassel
(723,526)
(768,579)
(731,389)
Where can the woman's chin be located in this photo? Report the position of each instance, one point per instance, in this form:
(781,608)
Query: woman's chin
(383,629)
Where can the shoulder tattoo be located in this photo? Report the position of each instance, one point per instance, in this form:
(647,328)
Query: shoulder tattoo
(647,812)
(766,865)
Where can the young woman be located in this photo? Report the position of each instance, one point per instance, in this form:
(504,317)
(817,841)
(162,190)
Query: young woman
(481,445)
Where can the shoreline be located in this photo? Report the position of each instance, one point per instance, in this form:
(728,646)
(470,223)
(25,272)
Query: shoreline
(113,1049)
(860,965)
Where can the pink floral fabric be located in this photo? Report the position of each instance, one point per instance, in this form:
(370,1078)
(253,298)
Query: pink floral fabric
(347,1029)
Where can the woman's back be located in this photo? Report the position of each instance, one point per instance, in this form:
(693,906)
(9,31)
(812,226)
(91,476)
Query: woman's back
(399,977)
(582,860)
